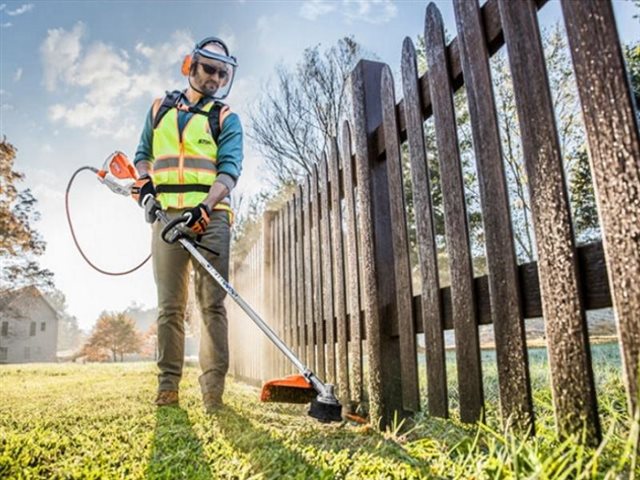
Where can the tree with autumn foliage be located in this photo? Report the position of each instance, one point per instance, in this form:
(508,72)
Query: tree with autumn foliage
(149,345)
(116,333)
(20,243)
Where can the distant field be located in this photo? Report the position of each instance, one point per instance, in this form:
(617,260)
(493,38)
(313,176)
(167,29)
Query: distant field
(98,421)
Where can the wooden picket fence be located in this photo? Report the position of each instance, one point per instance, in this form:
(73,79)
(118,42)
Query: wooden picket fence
(334,262)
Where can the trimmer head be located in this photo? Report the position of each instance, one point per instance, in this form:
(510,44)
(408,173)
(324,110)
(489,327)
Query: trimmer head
(325,411)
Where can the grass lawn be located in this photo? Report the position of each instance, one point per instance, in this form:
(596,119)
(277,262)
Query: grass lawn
(98,421)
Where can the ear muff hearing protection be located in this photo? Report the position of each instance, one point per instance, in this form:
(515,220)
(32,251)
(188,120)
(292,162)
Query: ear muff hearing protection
(186,65)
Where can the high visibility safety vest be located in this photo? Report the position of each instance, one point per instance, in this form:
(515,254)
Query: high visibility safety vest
(184,165)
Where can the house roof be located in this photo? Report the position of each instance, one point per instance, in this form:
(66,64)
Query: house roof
(9,295)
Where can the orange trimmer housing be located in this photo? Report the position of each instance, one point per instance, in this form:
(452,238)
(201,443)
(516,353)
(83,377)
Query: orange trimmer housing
(119,166)
(291,389)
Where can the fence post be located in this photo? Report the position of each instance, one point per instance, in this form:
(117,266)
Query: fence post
(400,242)
(383,350)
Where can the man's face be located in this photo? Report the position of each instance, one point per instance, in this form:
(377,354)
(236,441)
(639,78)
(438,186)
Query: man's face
(210,75)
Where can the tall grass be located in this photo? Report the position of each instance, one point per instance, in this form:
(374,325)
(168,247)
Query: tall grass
(98,421)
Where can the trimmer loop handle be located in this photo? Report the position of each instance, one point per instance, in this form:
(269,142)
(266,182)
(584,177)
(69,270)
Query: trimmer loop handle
(171,228)
(172,232)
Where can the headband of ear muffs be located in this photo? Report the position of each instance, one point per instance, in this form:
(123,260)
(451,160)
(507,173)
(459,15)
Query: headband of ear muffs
(199,50)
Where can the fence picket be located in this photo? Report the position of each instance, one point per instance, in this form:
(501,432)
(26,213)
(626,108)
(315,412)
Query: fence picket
(464,312)
(353,290)
(268,277)
(327,274)
(287,286)
(274,291)
(565,322)
(506,313)
(317,274)
(293,341)
(402,263)
(308,275)
(278,320)
(339,297)
(300,275)
(614,150)
(431,304)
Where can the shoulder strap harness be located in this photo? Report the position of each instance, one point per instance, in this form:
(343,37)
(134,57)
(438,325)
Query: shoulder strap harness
(216,115)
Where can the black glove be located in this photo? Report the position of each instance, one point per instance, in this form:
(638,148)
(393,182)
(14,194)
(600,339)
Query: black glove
(151,206)
(198,218)
(142,188)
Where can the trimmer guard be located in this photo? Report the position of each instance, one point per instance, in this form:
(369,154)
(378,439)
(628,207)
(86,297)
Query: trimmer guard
(291,389)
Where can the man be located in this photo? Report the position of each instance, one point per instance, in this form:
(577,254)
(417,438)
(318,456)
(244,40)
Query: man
(189,158)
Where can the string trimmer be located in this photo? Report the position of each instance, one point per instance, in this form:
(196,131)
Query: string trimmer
(119,175)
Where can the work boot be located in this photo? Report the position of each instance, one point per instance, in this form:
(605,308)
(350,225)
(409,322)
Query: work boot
(212,402)
(166,398)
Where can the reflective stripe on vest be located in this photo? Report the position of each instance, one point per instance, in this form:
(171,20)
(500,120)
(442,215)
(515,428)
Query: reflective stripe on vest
(187,159)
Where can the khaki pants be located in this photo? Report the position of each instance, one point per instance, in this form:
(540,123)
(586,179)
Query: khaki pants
(171,271)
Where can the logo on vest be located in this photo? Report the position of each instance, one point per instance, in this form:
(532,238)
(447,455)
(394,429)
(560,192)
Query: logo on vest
(205,141)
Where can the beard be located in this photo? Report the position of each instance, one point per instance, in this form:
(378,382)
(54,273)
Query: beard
(204,86)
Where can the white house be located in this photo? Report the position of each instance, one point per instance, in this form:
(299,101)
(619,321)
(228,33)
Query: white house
(28,327)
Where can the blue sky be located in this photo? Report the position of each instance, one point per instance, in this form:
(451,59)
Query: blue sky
(77,79)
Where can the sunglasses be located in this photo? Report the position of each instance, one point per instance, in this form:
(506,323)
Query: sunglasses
(211,70)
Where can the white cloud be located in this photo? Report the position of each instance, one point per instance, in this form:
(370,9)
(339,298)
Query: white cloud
(3,92)
(108,79)
(160,65)
(18,75)
(127,131)
(46,148)
(59,53)
(27,7)
(264,24)
(243,93)
(83,114)
(370,11)
(229,38)
(266,32)
(6,25)
(3,6)
(5,107)
(312,9)
(45,193)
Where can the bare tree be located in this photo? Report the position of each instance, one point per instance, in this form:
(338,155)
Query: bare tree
(572,143)
(571,135)
(295,118)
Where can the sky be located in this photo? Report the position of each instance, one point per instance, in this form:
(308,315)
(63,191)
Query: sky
(77,80)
